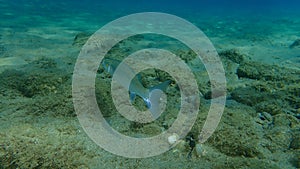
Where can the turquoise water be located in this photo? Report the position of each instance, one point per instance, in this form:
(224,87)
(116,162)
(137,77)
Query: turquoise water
(258,43)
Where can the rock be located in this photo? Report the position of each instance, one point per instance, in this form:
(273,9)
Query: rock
(249,95)
(233,55)
(237,135)
(182,147)
(32,83)
(81,38)
(259,71)
(151,129)
(295,44)
(280,136)
(272,106)
(266,116)
(285,120)
(297,160)
(217,93)
(279,94)
(295,144)
(173,139)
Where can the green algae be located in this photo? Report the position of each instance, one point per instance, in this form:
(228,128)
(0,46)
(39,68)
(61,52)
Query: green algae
(259,71)
(47,134)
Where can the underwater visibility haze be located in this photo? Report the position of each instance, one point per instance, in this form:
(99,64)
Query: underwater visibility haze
(43,42)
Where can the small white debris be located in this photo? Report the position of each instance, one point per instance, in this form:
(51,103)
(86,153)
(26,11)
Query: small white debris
(173,138)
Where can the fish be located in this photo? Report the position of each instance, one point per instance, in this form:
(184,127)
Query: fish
(151,96)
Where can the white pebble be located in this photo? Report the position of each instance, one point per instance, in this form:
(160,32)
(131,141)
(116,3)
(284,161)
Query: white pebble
(173,138)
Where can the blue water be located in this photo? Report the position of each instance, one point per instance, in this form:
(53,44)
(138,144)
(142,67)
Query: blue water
(66,9)
(89,14)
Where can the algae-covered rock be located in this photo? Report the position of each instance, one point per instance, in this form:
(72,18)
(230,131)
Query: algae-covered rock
(234,56)
(237,134)
(275,89)
(248,95)
(286,120)
(259,71)
(297,160)
(295,143)
(273,102)
(272,106)
(280,138)
(38,77)
(295,44)
(44,88)
(30,146)
(81,38)
(246,163)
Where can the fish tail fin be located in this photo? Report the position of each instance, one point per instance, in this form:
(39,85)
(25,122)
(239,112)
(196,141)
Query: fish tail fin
(156,99)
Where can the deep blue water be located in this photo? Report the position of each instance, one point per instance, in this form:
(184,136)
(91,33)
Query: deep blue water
(117,8)
(29,13)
